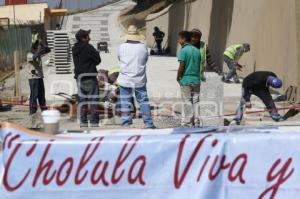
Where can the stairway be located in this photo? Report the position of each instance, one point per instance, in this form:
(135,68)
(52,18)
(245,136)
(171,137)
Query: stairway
(96,20)
(60,56)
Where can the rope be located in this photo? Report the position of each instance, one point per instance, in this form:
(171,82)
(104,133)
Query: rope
(110,111)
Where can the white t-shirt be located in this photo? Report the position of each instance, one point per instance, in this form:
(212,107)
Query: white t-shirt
(133,58)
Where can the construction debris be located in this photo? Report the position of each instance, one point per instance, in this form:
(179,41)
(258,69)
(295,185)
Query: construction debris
(5,75)
(5,108)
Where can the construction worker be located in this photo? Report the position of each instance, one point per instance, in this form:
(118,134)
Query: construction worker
(258,84)
(232,56)
(109,80)
(132,79)
(188,77)
(206,58)
(36,82)
(86,59)
(113,95)
(159,37)
(113,74)
(35,37)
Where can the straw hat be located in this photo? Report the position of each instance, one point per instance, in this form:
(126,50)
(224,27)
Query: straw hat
(133,34)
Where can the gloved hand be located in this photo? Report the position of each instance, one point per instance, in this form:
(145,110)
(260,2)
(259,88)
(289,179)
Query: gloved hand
(239,67)
(248,105)
(203,79)
(217,70)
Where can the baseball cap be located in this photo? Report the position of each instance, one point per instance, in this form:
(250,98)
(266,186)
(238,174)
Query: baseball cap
(82,33)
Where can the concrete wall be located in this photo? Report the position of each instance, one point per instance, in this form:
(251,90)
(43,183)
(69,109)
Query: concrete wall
(24,13)
(268,25)
(174,19)
(297,8)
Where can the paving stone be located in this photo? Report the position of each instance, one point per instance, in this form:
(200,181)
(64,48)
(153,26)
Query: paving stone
(211,104)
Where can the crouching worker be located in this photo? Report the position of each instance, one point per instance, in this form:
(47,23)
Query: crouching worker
(258,84)
(232,55)
(109,79)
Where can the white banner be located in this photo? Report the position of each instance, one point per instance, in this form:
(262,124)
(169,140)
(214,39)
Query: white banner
(247,164)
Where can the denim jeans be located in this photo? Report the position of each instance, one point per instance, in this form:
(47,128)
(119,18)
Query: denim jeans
(159,45)
(37,94)
(241,109)
(88,94)
(268,101)
(190,96)
(127,106)
(232,69)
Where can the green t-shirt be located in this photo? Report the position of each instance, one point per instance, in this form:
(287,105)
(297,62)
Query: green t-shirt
(191,57)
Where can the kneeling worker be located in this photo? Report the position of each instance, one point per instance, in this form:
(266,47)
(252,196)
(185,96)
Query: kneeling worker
(258,84)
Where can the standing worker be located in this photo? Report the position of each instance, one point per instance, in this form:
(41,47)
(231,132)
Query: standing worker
(188,77)
(35,37)
(36,82)
(232,55)
(258,84)
(86,58)
(206,57)
(159,37)
(133,57)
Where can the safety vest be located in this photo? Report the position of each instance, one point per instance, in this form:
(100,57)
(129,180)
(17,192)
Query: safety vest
(34,38)
(232,50)
(203,50)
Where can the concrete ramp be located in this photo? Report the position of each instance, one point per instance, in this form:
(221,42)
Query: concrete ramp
(98,21)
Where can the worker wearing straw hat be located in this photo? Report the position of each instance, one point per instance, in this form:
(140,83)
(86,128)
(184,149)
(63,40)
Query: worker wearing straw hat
(133,56)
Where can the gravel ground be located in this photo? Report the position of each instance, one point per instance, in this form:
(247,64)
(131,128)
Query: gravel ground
(216,98)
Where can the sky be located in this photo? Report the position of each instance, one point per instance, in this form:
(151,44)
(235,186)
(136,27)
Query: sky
(70,4)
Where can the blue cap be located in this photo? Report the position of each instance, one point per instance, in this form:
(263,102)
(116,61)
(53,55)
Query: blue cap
(274,82)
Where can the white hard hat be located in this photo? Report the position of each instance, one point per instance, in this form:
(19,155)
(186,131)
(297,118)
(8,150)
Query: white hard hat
(29,57)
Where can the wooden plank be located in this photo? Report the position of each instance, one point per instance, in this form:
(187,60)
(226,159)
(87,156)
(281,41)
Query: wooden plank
(6,75)
(17,74)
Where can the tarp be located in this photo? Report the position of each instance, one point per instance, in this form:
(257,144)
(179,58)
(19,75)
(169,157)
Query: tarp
(245,163)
